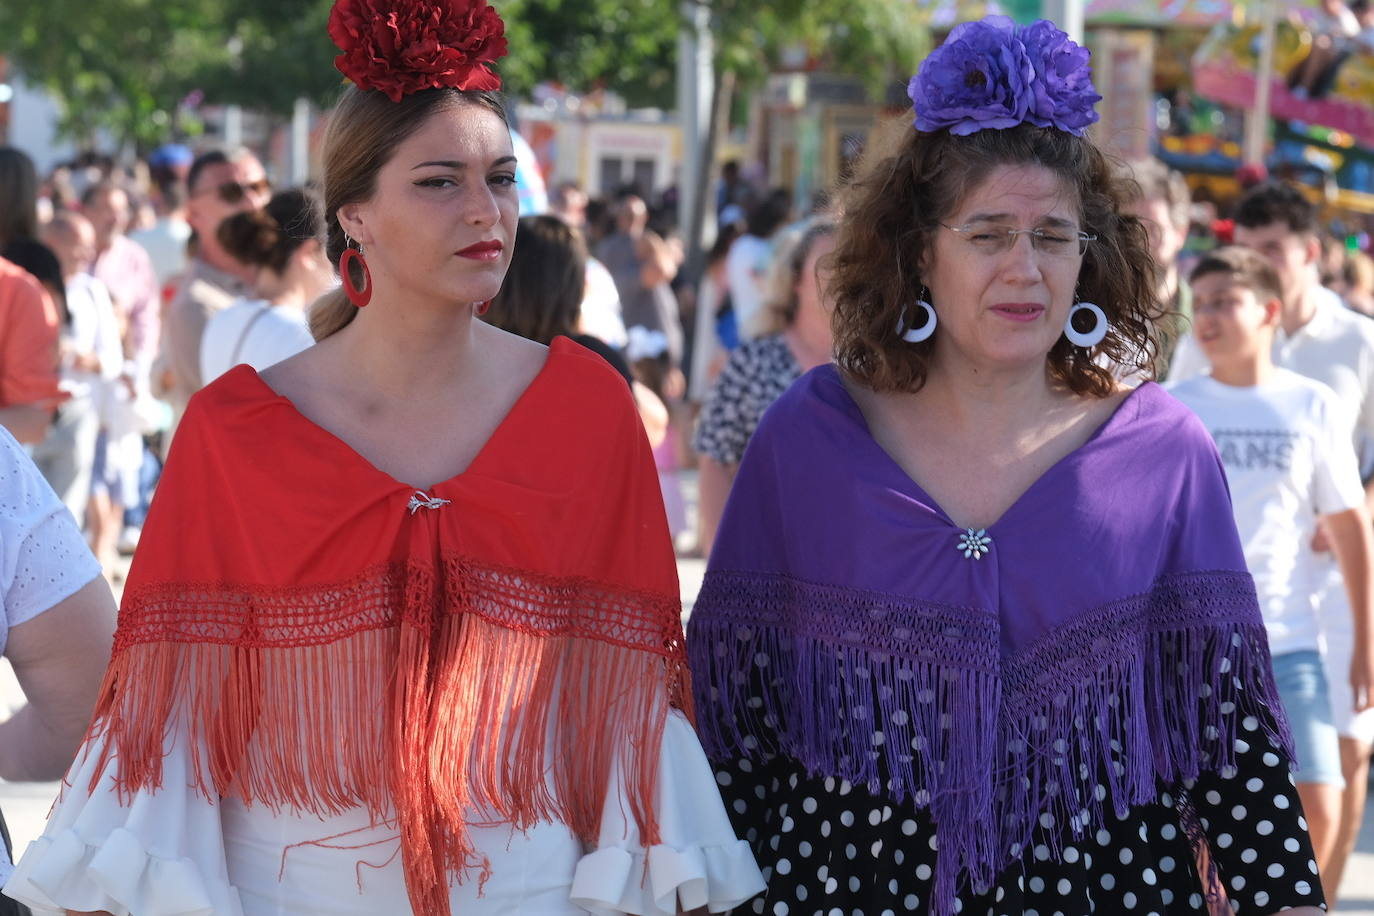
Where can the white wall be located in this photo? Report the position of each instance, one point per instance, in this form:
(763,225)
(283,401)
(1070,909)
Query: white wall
(33,126)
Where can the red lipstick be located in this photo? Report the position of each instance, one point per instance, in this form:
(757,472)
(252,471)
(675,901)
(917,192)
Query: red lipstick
(483,251)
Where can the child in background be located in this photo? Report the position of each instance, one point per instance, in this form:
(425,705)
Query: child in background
(1289,462)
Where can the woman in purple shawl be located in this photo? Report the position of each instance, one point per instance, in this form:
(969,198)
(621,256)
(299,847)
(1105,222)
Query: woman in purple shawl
(977,634)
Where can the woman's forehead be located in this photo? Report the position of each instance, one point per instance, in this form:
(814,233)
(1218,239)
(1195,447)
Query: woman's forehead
(462,133)
(1019,192)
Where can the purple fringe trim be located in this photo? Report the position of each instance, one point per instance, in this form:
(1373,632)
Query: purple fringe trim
(1147,689)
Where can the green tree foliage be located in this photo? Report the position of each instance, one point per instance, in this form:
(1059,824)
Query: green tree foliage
(125,65)
(628,46)
(876,40)
(116,64)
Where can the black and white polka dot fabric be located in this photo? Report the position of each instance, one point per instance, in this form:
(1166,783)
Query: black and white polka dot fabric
(828,848)
(755,376)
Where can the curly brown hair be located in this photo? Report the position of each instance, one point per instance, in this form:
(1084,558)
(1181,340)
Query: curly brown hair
(913,181)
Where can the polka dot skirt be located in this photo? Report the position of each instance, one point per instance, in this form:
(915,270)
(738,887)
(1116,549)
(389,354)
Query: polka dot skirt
(827,847)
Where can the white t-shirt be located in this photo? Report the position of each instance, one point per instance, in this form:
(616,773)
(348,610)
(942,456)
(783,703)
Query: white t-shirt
(1288,458)
(1335,348)
(251,331)
(43,557)
(746,274)
(601,316)
(94,329)
(165,243)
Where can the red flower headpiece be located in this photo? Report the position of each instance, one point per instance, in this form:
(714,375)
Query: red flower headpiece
(402,46)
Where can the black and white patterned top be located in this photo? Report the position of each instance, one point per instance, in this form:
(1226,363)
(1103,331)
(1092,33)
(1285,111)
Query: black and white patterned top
(828,847)
(756,375)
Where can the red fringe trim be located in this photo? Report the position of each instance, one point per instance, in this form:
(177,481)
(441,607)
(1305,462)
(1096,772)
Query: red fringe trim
(504,696)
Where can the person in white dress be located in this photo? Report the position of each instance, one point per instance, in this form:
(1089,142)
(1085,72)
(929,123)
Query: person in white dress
(282,243)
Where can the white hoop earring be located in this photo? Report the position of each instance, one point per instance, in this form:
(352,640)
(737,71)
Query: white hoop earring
(1094,335)
(916,334)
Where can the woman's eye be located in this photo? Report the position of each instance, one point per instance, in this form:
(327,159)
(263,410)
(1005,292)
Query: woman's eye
(439,182)
(505,180)
(984,237)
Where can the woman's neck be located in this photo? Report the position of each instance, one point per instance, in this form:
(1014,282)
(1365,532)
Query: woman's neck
(1247,371)
(972,397)
(290,293)
(809,340)
(410,350)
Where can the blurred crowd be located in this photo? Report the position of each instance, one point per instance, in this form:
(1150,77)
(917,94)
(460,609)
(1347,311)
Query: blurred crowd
(125,290)
(1338,30)
(157,278)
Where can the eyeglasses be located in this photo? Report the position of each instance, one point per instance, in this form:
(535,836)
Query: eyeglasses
(991,239)
(1225,304)
(234,192)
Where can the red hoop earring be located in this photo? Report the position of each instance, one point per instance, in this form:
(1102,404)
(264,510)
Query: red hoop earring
(482,307)
(359,297)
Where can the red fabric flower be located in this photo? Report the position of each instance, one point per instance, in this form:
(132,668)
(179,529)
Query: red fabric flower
(402,46)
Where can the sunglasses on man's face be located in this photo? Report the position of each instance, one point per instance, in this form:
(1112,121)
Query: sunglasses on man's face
(234,192)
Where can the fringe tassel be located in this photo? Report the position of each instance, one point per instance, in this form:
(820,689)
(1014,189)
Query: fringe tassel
(1148,689)
(1214,890)
(502,698)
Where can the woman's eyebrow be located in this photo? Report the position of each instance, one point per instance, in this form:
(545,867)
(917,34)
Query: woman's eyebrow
(459,166)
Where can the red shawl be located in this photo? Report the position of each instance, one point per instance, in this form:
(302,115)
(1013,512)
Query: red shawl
(339,639)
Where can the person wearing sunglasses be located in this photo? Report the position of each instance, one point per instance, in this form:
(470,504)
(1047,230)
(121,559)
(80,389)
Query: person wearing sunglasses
(219,185)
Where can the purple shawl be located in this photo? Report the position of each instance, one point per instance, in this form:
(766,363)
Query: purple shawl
(1111,627)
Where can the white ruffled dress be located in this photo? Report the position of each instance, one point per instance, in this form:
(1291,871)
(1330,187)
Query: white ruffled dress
(172,852)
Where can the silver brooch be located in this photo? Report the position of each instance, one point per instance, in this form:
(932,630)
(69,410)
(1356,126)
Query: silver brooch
(974,543)
(422,500)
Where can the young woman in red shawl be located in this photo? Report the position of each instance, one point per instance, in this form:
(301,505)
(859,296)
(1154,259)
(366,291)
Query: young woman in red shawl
(407,600)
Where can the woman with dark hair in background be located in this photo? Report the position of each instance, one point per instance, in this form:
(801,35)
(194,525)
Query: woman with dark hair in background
(18,196)
(541,299)
(283,243)
(29,315)
(405,599)
(41,262)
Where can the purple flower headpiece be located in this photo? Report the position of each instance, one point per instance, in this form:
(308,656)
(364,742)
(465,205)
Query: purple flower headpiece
(992,73)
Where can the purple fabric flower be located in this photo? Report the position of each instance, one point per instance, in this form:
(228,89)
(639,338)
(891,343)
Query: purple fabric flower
(991,73)
(1063,95)
(978,78)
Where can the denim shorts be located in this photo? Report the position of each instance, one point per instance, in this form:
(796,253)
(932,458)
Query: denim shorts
(1301,680)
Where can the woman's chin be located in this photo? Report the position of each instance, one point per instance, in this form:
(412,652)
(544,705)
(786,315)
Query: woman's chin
(1011,352)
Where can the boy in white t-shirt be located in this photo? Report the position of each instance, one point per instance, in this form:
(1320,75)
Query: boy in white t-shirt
(1284,440)
(1318,337)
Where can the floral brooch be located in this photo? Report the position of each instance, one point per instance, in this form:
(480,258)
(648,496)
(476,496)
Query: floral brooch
(974,544)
